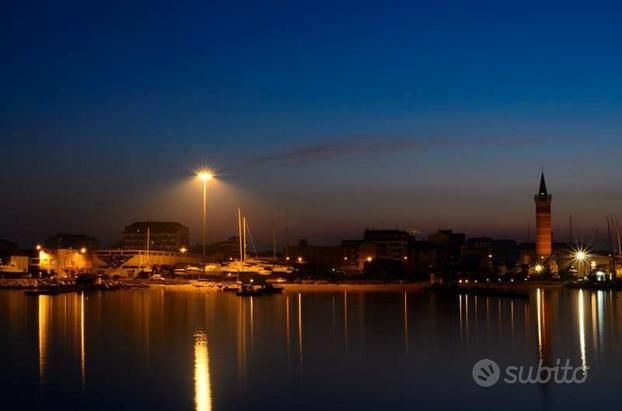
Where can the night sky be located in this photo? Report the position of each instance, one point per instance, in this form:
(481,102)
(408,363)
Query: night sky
(328,117)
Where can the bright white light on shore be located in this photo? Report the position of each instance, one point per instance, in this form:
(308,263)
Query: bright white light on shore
(580,255)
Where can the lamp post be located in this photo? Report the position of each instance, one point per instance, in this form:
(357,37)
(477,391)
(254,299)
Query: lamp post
(204,176)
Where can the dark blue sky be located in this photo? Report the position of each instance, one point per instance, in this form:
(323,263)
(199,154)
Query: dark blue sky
(328,117)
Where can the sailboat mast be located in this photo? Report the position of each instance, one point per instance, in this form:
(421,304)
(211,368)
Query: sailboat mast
(244,238)
(611,250)
(240,234)
(148,242)
(286,243)
(617,225)
(273,240)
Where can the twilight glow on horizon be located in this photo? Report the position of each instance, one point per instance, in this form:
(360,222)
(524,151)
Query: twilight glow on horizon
(325,117)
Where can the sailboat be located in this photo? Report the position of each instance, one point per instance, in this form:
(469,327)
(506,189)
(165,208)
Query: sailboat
(250,265)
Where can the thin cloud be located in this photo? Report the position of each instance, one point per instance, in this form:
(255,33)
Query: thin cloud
(314,152)
(327,151)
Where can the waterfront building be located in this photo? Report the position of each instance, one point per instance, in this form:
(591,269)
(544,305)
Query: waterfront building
(391,244)
(63,262)
(448,243)
(355,254)
(448,250)
(156,236)
(13,261)
(321,256)
(486,254)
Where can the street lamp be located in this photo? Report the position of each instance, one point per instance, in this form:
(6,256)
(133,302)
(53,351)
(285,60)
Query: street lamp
(580,256)
(204,175)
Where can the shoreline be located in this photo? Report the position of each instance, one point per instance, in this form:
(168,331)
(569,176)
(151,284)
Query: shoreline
(358,286)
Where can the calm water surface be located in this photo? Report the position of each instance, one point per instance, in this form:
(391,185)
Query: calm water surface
(183,350)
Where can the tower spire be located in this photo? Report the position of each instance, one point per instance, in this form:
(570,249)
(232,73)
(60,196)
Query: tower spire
(542,190)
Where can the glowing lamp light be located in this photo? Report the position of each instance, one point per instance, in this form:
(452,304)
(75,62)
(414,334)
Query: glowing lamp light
(183,250)
(38,247)
(300,259)
(205,175)
(83,250)
(369,259)
(539,268)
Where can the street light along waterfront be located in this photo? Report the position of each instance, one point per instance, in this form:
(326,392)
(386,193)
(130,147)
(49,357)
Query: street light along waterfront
(204,175)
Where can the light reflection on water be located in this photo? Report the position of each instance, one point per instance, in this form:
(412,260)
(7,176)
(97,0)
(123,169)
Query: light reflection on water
(189,349)
(202,384)
(45,308)
(581,316)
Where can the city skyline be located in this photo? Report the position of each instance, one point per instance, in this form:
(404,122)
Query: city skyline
(594,235)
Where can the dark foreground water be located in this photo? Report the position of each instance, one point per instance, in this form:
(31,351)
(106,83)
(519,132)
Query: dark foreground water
(182,350)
